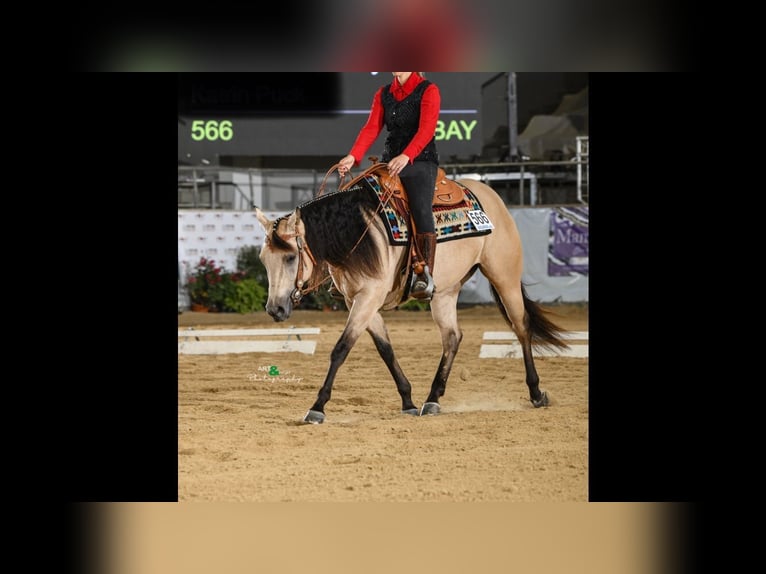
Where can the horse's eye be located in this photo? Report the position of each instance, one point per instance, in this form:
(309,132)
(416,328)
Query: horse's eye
(290,259)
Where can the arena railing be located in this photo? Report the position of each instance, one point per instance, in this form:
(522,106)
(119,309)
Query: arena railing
(520,184)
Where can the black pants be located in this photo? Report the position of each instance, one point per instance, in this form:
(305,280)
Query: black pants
(419,179)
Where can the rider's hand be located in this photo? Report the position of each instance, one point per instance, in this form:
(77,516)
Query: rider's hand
(396,165)
(346,164)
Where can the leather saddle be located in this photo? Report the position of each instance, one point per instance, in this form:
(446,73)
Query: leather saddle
(447,192)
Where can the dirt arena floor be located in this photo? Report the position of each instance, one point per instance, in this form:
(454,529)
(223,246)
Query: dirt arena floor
(240,435)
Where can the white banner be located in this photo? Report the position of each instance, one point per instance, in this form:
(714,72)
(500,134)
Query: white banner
(217,235)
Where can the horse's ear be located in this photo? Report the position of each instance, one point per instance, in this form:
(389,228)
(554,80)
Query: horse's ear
(263,220)
(294,223)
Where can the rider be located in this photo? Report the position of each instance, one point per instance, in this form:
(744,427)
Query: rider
(409,108)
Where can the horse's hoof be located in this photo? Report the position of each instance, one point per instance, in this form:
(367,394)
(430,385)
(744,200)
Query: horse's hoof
(413,412)
(314,417)
(430,409)
(542,401)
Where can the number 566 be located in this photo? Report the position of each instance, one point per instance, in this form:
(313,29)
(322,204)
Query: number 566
(211,130)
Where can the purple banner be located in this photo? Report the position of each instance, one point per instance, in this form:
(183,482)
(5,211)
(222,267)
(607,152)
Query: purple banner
(568,241)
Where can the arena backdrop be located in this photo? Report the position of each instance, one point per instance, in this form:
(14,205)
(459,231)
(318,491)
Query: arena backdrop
(555,241)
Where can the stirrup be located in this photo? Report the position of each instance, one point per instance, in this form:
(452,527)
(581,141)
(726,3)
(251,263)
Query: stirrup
(423,286)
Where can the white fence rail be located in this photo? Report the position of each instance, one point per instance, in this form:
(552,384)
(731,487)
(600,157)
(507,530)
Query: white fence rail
(245,341)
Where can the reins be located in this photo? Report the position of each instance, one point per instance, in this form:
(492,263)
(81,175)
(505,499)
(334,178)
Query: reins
(298,293)
(324,181)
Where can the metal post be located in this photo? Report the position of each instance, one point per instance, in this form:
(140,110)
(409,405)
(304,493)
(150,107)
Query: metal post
(521,185)
(582,154)
(265,194)
(250,181)
(513,126)
(196,190)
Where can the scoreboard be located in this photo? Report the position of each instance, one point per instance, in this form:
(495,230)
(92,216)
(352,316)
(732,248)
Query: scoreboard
(309,114)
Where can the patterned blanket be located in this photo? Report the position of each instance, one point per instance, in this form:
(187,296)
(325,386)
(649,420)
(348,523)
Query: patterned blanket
(451,222)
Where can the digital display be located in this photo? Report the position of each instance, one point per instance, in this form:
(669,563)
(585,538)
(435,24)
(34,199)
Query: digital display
(310,114)
(211,130)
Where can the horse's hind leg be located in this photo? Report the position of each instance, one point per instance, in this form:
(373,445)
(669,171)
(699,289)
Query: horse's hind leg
(510,301)
(444,312)
(379,333)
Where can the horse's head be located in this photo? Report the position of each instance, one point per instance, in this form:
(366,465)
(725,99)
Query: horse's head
(288,262)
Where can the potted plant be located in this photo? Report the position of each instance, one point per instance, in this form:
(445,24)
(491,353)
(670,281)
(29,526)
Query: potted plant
(201,282)
(211,288)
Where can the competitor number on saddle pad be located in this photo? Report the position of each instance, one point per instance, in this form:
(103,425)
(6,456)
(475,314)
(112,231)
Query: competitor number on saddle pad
(480,220)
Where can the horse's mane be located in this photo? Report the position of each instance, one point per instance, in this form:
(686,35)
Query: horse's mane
(337,230)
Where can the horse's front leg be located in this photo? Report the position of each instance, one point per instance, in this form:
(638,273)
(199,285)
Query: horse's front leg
(379,334)
(360,315)
(444,312)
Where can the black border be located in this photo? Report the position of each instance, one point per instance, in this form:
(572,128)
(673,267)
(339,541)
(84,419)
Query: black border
(644,439)
(120,429)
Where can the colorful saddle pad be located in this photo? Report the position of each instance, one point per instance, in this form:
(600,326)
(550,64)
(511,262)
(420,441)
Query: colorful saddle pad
(451,222)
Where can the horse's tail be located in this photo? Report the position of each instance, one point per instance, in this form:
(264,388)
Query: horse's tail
(543,332)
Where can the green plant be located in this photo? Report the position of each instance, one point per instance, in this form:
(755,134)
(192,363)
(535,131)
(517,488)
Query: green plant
(220,290)
(249,262)
(414,305)
(248,296)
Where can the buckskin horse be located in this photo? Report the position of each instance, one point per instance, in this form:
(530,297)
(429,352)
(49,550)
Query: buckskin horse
(349,234)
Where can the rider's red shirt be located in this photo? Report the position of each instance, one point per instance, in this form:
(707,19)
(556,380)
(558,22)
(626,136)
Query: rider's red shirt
(429,115)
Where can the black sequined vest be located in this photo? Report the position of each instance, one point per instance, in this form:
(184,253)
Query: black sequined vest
(402,119)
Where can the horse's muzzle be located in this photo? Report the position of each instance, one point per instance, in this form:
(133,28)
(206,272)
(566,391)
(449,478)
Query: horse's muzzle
(280,312)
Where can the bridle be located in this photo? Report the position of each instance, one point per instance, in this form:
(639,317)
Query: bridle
(303,249)
(298,292)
